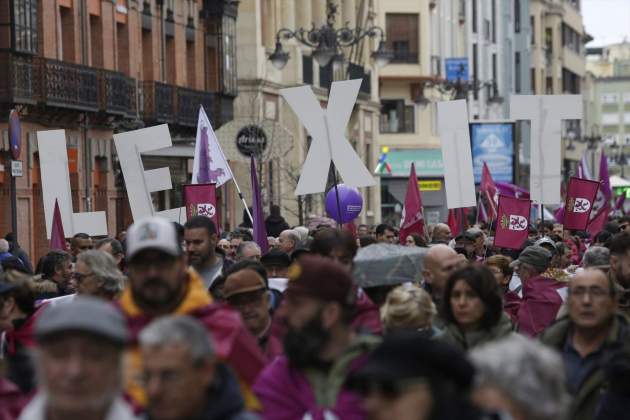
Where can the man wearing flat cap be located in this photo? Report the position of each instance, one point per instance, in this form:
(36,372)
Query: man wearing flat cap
(542,296)
(247,292)
(78,358)
(321,348)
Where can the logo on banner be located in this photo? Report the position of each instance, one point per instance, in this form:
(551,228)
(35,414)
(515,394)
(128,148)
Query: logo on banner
(514,222)
(579,205)
(203,209)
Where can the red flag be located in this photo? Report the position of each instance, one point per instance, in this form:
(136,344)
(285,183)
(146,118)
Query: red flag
(488,190)
(578,203)
(201,200)
(512,222)
(412,218)
(457,220)
(57,237)
(596,225)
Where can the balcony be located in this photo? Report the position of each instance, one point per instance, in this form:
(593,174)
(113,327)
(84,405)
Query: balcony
(40,81)
(118,93)
(164,103)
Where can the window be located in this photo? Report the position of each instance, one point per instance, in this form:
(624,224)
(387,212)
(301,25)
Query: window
(486,30)
(67,34)
(96,41)
(517,16)
(475,71)
(626,98)
(403,36)
(122,47)
(474,16)
(307,69)
(532,22)
(147,55)
(25,35)
(571,39)
(222,55)
(494,68)
(517,72)
(533,81)
(396,117)
(190,64)
(610,119)
(570,82)
(610,98)
(626,118)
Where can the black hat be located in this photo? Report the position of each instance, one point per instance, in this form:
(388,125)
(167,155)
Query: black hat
(276,258)
(405,355)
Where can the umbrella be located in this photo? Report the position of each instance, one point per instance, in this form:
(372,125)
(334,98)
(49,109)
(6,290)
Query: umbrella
(388,265)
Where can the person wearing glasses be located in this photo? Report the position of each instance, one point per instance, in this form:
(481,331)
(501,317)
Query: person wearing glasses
(96,274)
(585,339)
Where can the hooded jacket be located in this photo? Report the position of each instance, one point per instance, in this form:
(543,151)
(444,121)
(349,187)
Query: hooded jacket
(587,398)
(233,342)
(465,341)
(287,393)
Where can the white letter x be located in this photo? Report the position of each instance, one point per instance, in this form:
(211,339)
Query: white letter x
(329,141)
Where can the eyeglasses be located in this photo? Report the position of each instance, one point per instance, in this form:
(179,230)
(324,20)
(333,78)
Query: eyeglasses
(594,292)
(624,226)
(79,277)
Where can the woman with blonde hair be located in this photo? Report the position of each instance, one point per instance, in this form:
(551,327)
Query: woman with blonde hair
(409,307)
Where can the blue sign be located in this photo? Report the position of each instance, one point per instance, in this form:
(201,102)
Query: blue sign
(493,143)
(456,69)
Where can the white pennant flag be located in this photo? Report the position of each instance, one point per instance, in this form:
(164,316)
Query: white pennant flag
(210,164)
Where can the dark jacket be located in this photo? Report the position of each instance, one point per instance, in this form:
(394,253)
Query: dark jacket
(466,341)
(591,391)
(23,256)
(275,225)
(224,401)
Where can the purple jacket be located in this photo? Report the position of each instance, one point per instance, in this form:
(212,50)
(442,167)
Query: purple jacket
(287,393)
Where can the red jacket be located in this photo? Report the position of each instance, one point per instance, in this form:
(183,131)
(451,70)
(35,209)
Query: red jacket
(233,342)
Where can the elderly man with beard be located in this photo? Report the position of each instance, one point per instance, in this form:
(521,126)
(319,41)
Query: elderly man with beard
(161,284)
(321,349)
(200,236)
(79,359)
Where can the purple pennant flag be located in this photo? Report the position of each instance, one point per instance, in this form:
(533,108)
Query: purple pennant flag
(260,232)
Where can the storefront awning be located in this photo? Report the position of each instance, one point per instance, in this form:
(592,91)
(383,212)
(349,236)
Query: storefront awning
(428,162)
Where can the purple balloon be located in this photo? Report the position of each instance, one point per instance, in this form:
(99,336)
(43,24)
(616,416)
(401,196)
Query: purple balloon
(350,201)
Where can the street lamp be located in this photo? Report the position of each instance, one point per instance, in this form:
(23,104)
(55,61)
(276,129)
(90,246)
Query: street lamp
(458,89)
(327,42)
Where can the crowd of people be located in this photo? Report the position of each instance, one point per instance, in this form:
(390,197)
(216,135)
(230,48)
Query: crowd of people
(180,322)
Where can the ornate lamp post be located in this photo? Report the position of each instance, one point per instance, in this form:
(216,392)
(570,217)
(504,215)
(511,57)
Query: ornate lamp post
(327,41)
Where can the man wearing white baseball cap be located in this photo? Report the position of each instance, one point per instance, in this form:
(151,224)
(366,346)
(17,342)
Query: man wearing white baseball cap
(160,283)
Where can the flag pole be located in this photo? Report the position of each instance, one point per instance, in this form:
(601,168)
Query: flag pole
(334,172)
(240,195)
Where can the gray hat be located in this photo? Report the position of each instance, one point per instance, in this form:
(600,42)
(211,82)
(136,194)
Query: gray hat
(85,314)
(536,256)
(546,242)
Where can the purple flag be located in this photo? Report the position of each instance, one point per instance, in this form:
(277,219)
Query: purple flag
(260,232)
(203,177)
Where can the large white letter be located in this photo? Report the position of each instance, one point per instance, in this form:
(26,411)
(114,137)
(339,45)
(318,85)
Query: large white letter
(53,163)
(546,113)
(458,166)
(329,141)
(140,183)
